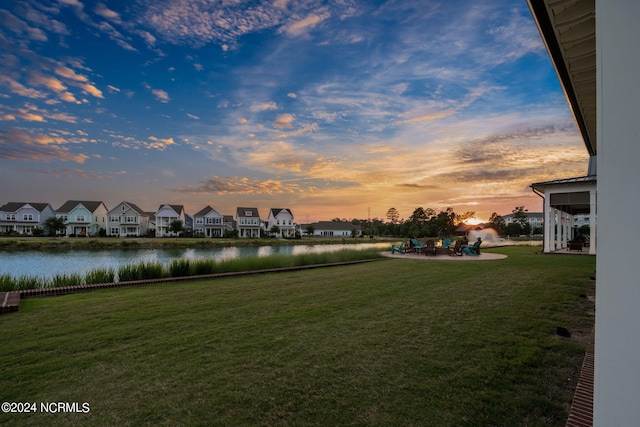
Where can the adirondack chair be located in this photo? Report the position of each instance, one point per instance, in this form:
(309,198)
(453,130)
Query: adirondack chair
(398,248)
(472,250)
(446,243)
(430,248)
(456,250)
(417,246)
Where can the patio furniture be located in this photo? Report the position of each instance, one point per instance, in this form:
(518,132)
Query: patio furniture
(457,248)
(430,248)
(472,250)
(417,246)
(575,245)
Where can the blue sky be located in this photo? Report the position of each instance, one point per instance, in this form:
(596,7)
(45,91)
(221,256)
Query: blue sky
(330,108)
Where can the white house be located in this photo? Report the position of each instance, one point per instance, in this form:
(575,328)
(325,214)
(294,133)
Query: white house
(127,220)
(165,215)
(335,229)
(248,222)
(83,217)
(209,223)
(22,218)
(535,219)
(598,73)
(283,219)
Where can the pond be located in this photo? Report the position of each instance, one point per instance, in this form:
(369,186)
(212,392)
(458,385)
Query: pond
(47,264)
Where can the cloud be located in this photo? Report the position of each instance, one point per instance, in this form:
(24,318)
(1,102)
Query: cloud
(292,95)
(193,117)
(50,83)
(19,89)
(284,121)
(159,143)
(68,73)
(92,90)
(265,106)
(107,13)
(298,27)
(239,185)
(16,144)
(160,95)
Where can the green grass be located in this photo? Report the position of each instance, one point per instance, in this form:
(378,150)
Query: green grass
(395,342)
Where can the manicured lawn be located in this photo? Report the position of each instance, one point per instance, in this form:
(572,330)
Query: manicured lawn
(394,342)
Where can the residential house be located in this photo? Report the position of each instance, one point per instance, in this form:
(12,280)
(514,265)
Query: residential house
(83,218)
(23,218)
(229,224)
(283,220)
(248,222)
(335,229)
(165,215)
(208,223)
(535,219)
(127,220)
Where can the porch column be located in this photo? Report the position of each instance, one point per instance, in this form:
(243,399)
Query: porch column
(558,229)
(593,217)
(565,229)
(548,225)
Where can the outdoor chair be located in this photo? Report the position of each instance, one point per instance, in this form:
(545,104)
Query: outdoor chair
(430,248)
(457,248)
(575,245)
(417,246)
(446,243)
(472,250)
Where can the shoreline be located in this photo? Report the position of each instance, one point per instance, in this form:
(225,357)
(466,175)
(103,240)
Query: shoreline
(89,243)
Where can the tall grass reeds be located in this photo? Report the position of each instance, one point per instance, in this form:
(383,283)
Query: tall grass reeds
(101,275)
(151,270)
(6,283)
(60,280)
(180,267)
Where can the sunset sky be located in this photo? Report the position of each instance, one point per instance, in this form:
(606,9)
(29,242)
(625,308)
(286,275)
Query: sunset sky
(338,108)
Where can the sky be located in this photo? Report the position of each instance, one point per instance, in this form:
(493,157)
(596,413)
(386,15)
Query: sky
(342,108)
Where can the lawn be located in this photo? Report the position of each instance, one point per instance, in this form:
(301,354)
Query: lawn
(394,342)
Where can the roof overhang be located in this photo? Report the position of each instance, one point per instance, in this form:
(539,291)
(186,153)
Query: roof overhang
(568,29)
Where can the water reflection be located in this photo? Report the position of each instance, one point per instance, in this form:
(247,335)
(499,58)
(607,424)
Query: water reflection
(49,263)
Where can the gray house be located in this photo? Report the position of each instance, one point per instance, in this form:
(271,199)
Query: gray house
(23,218)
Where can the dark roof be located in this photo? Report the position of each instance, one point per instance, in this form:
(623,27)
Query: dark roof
(275,211)
(132,206)
(71,204)
(14,206)
(203,211)
(577,180)
(241,212)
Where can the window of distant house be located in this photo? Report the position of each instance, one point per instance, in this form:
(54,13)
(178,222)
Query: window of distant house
(123,208)
(80,218)
(114,219)
(131,219)
(11,217)
(64,217)
(199,220)
(248,213)
(114,231)
(27,217)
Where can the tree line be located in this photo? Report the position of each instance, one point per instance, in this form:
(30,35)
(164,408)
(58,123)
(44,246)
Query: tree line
(426,222)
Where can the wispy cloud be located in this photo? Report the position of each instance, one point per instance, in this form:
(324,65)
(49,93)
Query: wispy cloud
(240,185)
(161,95)
(16,144)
